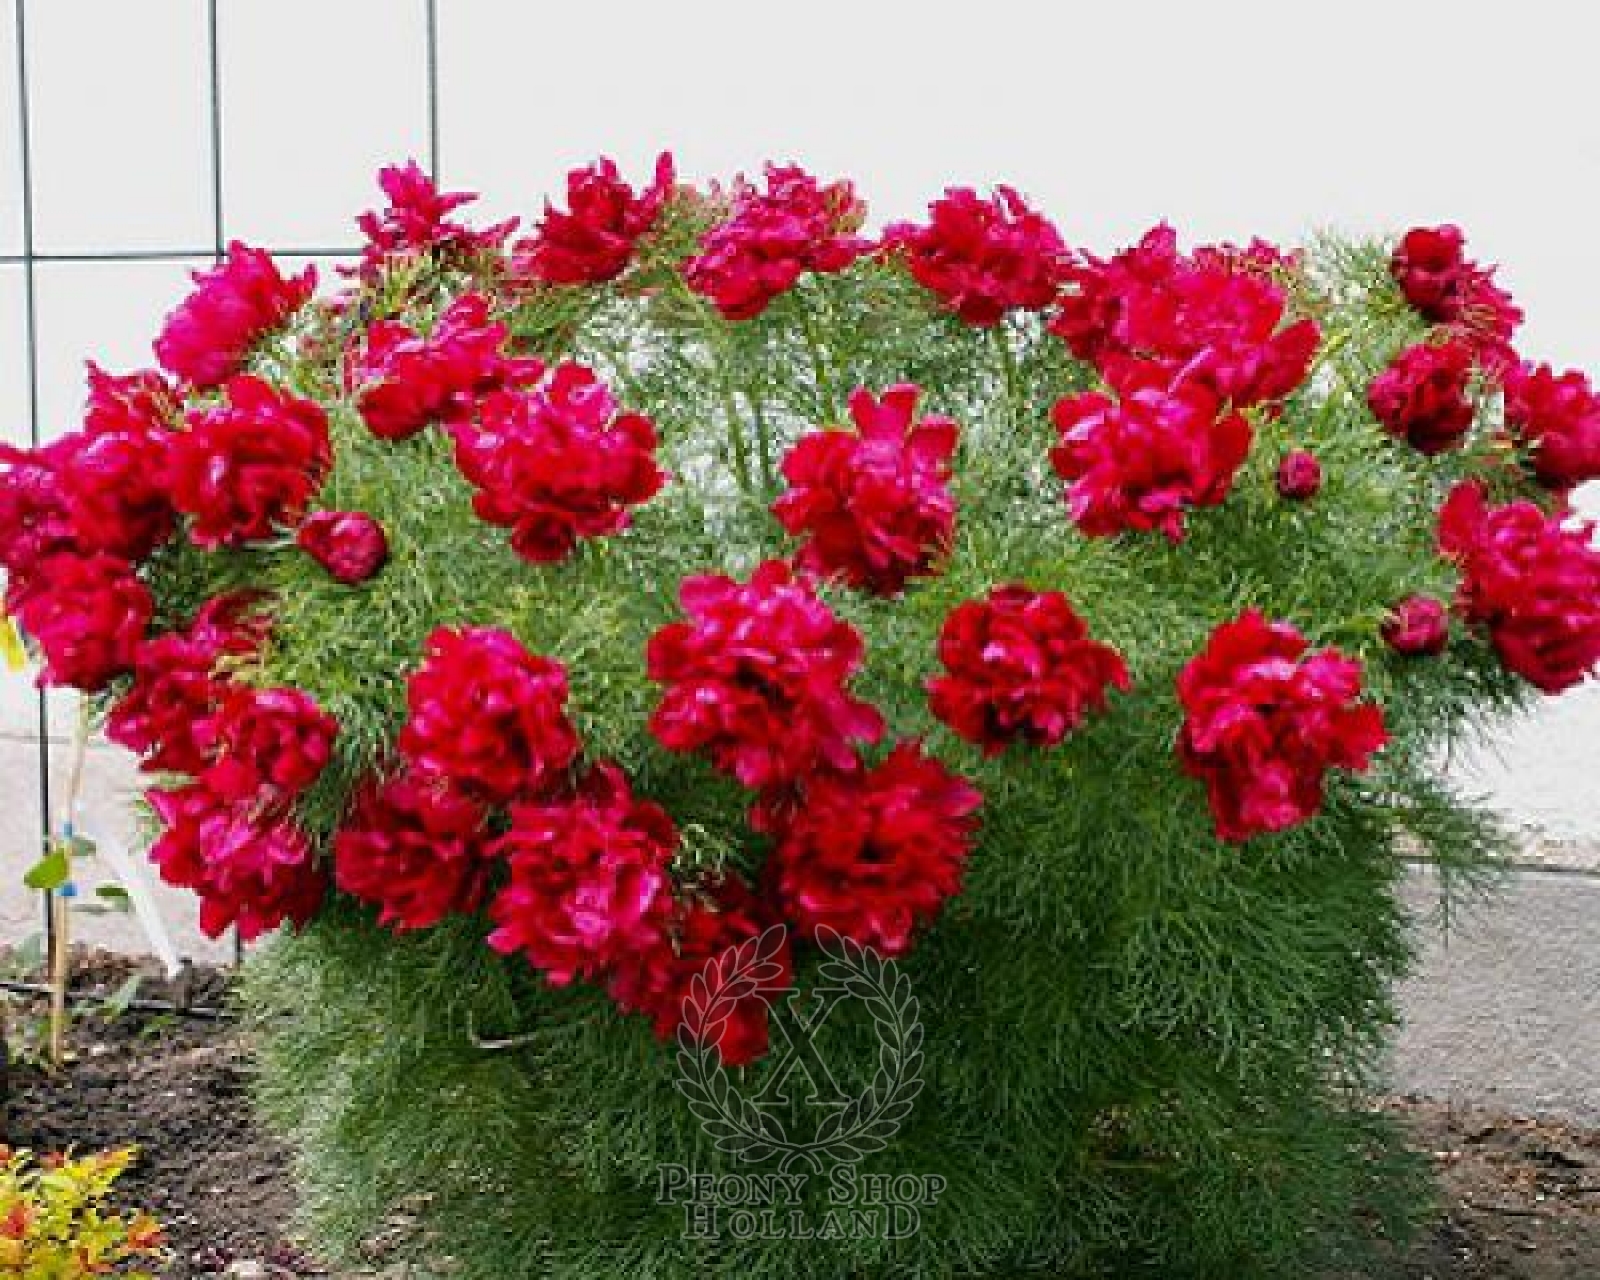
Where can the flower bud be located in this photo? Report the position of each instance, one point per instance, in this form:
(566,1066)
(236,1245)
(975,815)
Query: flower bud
(1418,626)
(1299,475)
(350,545)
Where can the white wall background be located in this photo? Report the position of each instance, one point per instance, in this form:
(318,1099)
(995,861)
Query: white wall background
(1229,118)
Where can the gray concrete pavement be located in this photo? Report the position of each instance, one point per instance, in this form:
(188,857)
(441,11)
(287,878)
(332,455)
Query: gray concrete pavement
(1505,1008)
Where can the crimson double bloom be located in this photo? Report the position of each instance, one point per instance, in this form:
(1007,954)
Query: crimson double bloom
(1447,288)
(404,380)
(589,883)
(1141,458)
(179,680)
(1422,396)
(246,469)
(758,677)
(233,306)
(1531,580)
(417,220)
(983,257)
(1219,317)
(874,504)
(703,942)
(1021,667)
(417,847)
(487,716)
(1557,417)
(772,237)
(872,852)
(1264,721)
(594,238)
(557,463)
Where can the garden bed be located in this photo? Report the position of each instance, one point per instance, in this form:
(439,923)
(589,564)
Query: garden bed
(1521,1198)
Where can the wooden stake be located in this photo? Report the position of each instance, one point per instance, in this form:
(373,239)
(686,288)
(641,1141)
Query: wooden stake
(60,914)
(60,974)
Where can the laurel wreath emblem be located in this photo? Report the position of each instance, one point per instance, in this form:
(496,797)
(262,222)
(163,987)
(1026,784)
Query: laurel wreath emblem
(740,1127)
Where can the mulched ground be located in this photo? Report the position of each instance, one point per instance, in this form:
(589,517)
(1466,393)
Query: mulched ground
(175,1087)
(1521,1198)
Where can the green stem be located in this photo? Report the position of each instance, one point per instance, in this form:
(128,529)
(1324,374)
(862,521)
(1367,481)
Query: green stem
(1331,348)
(716,330)
(828,403)
(738,447)
(1009,374)
(764,450)
(616,371)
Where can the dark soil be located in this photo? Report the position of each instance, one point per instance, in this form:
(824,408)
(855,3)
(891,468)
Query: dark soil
(175,1087)
(1520,1198)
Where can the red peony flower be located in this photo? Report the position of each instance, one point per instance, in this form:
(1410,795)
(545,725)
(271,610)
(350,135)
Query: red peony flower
(1259,257)
(177,685)
(982,258)
(1020,665)
(350,545)
(35,521)
(114,474)
(405,381)
(1299,476)
(249,874)
(757,678)
(417,220)
(129,403)
(83,494)
(772,237)
(594,240)
(87,613)
(1558,417)
(1429,265)
(263,747)
(1265,721)
(1532,581)
(1101,312)
(1421,397)
(247,467)
(1142,460)
(874,504)
(235,304)
(558,463)
(416,848)
(488,716)
(1216,316)
(874,853)
(1433,273)
(705,931)
(589,885)
(1417,627)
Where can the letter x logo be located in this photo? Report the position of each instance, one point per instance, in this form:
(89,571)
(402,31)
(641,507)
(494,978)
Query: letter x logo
(798,1030)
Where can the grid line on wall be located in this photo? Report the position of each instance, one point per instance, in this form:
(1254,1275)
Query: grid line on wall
(30,366)
(31,258)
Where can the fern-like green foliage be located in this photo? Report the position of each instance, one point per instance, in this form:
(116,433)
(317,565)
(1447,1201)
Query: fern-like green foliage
(1145,1051)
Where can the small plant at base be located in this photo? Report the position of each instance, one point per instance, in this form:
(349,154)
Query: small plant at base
(56,1222)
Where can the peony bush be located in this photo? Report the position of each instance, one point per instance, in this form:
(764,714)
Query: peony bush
(538,613)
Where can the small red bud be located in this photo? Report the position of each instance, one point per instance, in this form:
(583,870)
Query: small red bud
(1419,627)
(350,545)
(1299,475)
